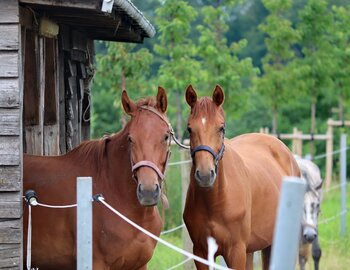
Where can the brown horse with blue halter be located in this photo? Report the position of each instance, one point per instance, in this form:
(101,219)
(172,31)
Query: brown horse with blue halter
(234,185)
(127,168)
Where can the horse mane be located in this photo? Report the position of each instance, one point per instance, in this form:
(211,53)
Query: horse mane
(207,106)
(91,151)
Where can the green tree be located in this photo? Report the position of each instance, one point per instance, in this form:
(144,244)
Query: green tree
(178,66)
(121,68)
(220,59)
(340,51)
(280,36)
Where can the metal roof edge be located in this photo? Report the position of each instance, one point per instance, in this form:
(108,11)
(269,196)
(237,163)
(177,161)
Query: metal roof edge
(136,15)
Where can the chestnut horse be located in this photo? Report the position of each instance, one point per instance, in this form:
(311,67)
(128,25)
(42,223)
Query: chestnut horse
(127,168)
(234,185)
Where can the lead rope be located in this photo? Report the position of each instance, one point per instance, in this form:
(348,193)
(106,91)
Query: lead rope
(172,132)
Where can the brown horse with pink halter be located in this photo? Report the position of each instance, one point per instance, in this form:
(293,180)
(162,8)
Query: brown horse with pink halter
(234,185)
(127,168)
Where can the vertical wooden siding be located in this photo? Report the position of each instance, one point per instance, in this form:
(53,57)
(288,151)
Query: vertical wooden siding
(10,137)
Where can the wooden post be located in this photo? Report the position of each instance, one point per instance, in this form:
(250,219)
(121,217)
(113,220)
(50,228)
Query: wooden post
(329,154)
(185,176)
(295,141)
(300,143)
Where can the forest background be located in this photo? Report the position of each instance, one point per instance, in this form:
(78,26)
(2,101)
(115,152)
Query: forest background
(281,63)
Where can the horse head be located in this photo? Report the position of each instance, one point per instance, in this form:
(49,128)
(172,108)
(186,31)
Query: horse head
(149,143)
(311,211)
(206,126)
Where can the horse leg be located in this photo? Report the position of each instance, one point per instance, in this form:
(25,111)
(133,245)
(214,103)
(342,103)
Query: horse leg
(200,253)
(236,257)
(265,256)
(249,265)
(316,252)
(302,262)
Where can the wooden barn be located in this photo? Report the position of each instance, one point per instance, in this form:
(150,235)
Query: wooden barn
(46,71)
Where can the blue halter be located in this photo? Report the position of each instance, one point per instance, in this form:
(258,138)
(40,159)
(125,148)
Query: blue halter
(216,156)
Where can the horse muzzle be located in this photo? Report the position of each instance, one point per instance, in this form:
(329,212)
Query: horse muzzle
(205,179)
(148,196)
(309,234)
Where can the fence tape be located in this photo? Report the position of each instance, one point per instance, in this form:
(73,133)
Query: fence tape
(171,246)
(325,221)
(180,162)
(330,154)
(173,229)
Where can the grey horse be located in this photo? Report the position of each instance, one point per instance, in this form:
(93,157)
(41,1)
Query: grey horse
(312,200)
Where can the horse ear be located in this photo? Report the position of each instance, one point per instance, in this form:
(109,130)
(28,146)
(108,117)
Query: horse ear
(218,95)
(191,96)
(128,105)
(162,101)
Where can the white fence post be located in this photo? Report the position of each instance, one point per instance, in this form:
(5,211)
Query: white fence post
(343,183)
(288,224)
(84,223)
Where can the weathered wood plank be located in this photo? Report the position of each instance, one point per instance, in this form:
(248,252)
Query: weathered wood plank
(9,36)
(10,205)
(34,140)
(9,121)
(8,64)
(95,4)
(9,93)
(10,178)
(51,89)
(9,11)
(9,256)
(51,140)
(62,99)
(9,150)
(31,93)
(79,41)
(10,231)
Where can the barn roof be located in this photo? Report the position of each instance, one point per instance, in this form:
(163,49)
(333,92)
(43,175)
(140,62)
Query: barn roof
(123,23)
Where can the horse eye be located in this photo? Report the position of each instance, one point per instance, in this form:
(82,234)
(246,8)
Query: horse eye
(222,130)
(166,137)
(189,130)
(130,139)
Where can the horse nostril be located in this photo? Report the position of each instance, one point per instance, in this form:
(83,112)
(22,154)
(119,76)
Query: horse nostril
(139,188)
(212,173)
(198,176)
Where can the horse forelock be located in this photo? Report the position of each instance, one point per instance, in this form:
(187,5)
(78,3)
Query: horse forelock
(207,107)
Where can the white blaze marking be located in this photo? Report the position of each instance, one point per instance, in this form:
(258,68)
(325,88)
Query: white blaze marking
(204,120)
